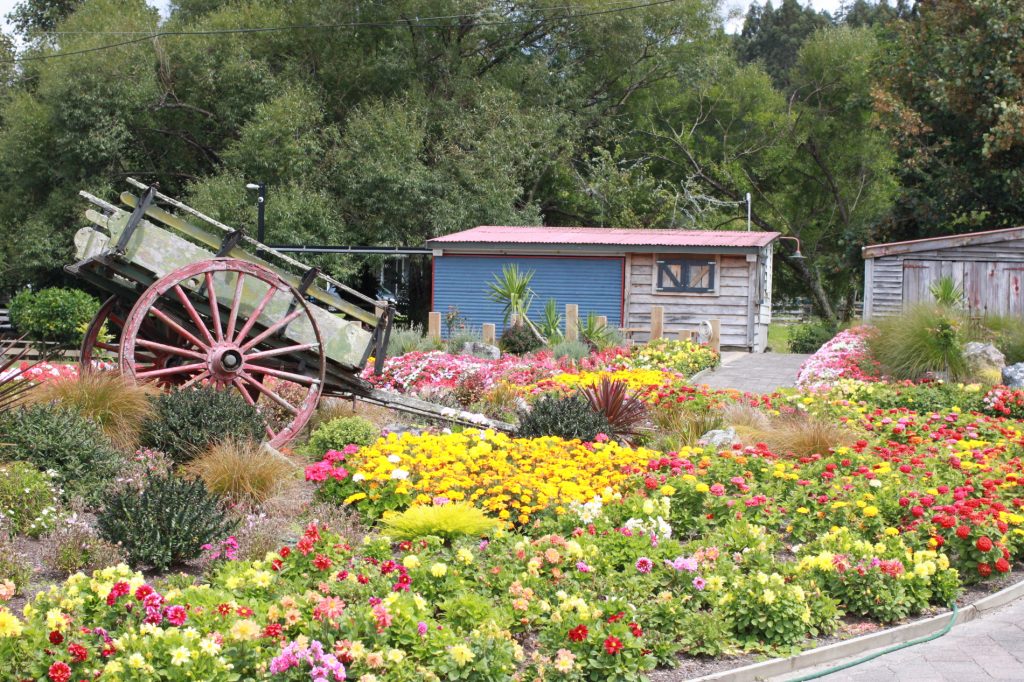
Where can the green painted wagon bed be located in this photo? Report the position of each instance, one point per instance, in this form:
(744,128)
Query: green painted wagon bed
(195,302)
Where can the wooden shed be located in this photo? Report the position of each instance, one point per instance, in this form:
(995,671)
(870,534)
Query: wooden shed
(989,266)
(695,275)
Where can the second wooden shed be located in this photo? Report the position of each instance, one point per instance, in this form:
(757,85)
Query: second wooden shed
(989,266)
(695,275)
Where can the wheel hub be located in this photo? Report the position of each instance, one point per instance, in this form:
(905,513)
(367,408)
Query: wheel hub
(225,361)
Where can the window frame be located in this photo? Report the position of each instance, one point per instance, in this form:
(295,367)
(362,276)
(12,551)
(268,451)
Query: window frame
(686,260)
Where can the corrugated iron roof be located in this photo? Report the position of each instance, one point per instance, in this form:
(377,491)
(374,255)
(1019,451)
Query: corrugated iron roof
(605,236)
(949,241)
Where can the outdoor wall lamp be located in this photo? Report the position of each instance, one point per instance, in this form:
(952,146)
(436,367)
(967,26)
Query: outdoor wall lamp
(797,255)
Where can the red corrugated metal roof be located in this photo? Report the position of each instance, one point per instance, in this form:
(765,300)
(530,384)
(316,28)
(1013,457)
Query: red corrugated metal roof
(606,236)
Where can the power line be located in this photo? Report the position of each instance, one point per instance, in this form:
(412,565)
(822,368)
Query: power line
(404,23)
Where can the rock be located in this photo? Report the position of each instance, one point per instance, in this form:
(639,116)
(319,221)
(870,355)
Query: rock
(481,350)
(983,359)
(1013,376)
(719,438)
(399,429)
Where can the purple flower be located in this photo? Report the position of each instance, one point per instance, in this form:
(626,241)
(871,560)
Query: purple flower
(421,628)
(583,567)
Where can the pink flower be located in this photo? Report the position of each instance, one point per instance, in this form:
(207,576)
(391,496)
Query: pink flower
(644,565)
(176,615)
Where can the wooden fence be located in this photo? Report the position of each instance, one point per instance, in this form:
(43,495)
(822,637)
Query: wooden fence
(657,329)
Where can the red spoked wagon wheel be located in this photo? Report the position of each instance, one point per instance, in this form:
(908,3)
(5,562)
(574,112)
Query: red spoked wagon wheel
(232,317)
(102,340)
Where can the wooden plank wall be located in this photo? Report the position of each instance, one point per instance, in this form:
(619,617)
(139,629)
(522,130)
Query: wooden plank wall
(992,276)
(686,311)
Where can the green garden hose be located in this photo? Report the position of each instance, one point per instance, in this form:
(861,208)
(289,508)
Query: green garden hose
(887,650)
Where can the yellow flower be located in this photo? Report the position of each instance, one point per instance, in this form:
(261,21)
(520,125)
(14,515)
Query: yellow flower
(464,555)
(438,570)
(245,629)
(411,561)
(10,626)
(461,654)
(870,511)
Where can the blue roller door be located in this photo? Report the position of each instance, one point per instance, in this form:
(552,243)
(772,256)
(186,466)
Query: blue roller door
(595,284)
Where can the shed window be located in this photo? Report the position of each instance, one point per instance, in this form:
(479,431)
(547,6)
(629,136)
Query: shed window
(689,275)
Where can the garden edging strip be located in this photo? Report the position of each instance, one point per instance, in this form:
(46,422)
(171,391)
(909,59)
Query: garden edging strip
(866,643)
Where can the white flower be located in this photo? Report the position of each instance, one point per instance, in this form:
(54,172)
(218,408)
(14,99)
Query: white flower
(399,474)
(358,477)
(394,459)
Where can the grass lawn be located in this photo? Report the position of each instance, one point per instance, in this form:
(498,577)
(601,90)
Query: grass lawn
(778,337)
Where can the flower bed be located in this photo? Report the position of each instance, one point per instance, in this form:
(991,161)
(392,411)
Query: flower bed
(513,478)
(846,356)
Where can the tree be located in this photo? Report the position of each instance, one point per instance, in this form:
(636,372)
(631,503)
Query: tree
(773,37)
(953,100)
(816,167)
(30,18)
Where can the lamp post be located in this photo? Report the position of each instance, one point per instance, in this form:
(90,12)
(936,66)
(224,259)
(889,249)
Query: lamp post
(261,206)
(797,255)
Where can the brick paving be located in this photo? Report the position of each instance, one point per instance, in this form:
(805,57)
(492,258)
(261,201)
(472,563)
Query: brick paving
(990,647)
(754,372)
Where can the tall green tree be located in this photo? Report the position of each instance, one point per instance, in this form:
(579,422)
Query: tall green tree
(953,100)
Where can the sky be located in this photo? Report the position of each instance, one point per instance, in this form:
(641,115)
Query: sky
(734,25)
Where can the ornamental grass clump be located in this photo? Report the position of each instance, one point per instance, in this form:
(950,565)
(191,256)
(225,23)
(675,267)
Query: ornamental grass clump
(569,417)
(924,340)
(803,435)
(165,524)
(187,422)
(447,520)
(117,404)
(243,471)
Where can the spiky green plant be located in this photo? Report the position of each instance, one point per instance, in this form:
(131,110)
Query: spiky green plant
(13,385)
(446,521)
(551,324)
(596,334)
(512,290)
(947,292)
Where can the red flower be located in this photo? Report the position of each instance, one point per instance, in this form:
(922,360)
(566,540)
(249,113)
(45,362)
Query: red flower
(963,532)
(322,562)
(636,630)
(273,630)
(284,552)
(985,570)
(56,637)
(60,672)
(616,617)
(78,652)
(1002,565)
(613,645)
(917,511)
(984,544)
(578,633)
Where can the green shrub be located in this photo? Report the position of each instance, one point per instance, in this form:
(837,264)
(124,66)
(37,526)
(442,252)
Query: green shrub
(519,339)
(1006,333)
(56,438)
(574,350)
(187,422)
(58,315)
(342,431)
(810,336)
(76,546)
(14,566)
(28,499)
(167,524)
(567,417)
(445,521)
(459,338)
(924,339)
(409,340)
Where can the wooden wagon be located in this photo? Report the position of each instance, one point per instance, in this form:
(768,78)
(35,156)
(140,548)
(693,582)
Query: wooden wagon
(205,304)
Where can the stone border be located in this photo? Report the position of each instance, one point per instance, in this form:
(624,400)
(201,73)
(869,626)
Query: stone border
(864,644)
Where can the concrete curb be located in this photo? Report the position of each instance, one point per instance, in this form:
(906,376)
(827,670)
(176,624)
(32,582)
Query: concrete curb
(865,644)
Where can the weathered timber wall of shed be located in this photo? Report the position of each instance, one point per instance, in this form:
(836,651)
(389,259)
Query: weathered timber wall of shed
(686,311)
(991,275)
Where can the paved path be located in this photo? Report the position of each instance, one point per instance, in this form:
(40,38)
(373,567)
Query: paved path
(991,647)
(754,372)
